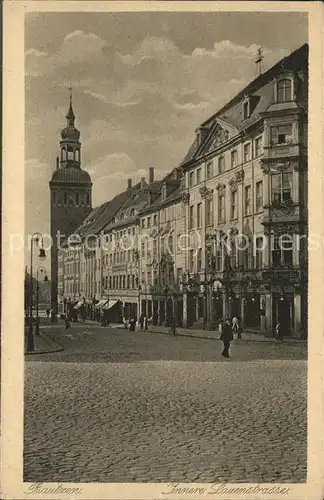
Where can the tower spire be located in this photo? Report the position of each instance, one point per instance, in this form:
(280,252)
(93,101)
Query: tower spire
(70,115)
(258,60)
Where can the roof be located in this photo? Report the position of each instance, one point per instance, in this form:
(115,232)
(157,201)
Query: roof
(137,199)
(260,90)
(174,193)
(71,175)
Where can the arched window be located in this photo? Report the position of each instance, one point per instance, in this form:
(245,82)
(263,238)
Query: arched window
(54,198)
(132,212)
(122,216)
(113,220)
(284,88)
(77,199)
(88,199)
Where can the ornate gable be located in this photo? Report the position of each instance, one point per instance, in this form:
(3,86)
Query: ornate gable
(219,136)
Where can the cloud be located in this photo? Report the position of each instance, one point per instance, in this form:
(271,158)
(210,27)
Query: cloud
(77,47)
(134,109)
(37,175)
(226,49)
(151,47)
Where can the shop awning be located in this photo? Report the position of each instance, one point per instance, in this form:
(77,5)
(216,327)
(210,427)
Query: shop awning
(78,304)
(101,303)
(110,304)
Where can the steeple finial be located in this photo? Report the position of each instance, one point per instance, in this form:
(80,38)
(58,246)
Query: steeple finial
(70,116)
(258,60)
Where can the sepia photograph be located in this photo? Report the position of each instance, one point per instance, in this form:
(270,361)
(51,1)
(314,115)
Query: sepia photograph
(166,250)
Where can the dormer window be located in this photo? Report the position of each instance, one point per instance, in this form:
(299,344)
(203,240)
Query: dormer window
(132,212)
(191,179)
(164,192)
(122,216)
(113,220)
(284,90)
(246,110)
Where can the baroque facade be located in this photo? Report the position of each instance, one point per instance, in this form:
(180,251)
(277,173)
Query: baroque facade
(224,234)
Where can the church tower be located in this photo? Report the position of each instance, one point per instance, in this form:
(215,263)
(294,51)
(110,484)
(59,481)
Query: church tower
(70,193)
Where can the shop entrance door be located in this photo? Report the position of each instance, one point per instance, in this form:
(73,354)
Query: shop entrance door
(282,313)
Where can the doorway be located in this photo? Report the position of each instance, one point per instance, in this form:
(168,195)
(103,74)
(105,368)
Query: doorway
(282,312)
(252,311)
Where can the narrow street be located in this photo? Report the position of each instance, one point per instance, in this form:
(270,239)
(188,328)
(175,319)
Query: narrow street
(118,406)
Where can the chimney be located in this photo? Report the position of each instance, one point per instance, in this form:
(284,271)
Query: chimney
(151,175)
(142,181)
(129,183)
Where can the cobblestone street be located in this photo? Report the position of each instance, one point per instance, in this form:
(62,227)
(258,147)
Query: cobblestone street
(117,406)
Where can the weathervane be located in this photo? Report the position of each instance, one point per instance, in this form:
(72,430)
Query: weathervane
(258,60)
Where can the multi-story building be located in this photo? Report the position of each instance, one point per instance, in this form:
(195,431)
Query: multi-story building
(224,233)
(120,255)
(245,179)
(161,254)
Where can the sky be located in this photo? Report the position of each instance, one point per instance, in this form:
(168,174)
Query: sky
(142,83)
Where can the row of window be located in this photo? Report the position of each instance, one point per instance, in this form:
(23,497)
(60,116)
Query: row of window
(119,282)
(70,199)
(279,135)
(281,191)
(196,177)
(221,206)
(149,221)
(163,277)
(166,214)
(281,255)
(74,155)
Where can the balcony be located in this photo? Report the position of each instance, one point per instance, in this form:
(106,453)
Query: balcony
(283,273)
(279,212)
(277,151)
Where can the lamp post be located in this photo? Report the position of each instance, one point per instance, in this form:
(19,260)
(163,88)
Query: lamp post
(42,255)
(41,269)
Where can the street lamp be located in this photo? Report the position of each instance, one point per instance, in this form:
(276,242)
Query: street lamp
(42,255)
(41,269)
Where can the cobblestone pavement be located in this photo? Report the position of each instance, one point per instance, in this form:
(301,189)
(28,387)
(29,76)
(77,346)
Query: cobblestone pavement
(120,407)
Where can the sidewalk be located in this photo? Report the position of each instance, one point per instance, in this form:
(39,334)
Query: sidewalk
(44,344)
(247,335)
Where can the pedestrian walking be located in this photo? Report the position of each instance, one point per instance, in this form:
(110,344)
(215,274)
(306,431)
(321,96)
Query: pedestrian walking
(67,322)
(142,321)
(172,325)
(235,327)
(220,329)
(278,331)
(226,337)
